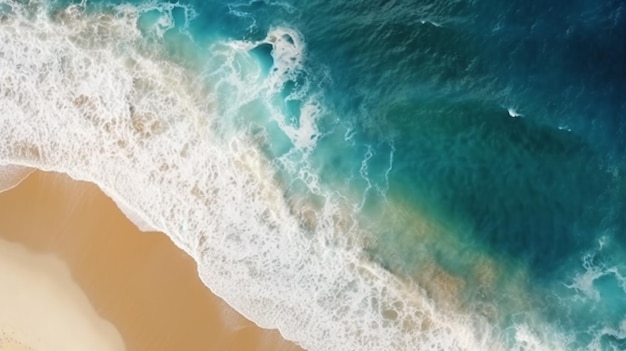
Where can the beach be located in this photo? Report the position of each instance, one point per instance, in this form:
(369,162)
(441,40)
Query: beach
(138,290)
(395,175)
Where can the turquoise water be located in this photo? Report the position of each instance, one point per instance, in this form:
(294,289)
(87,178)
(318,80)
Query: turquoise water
(480,145)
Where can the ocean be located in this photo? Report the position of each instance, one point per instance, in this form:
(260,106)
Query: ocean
(360,175)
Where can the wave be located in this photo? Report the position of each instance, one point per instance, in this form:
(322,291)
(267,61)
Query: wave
(182,150)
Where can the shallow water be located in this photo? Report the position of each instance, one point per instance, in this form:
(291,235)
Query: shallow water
(371,175)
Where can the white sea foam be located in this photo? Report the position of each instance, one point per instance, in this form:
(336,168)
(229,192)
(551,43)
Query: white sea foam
(288,51)
(617,333)
(128,210)
(87,96)
(564,127)
(538,340)
(513,112)
(584,281)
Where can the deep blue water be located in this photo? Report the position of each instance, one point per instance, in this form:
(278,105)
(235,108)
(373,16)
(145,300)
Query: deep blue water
(504,122)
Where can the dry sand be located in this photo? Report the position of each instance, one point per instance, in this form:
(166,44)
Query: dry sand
(42,308)
(141,283)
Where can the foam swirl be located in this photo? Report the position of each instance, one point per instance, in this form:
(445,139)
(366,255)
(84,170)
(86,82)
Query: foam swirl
(87,95)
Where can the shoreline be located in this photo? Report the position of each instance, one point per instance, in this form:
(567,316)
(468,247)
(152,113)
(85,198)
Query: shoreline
(140,282)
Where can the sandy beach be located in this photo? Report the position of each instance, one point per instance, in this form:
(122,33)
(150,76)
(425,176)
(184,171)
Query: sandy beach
(134,290)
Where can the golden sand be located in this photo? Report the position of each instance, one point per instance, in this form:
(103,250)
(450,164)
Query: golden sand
(40,306)
(141,283)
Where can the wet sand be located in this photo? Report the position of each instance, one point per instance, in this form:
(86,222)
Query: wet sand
(140,282)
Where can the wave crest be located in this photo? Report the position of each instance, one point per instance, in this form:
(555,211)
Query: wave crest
(88,95)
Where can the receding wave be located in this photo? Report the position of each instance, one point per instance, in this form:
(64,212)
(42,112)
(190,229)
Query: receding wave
(97,95)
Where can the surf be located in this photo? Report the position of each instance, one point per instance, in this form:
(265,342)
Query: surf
(92,95)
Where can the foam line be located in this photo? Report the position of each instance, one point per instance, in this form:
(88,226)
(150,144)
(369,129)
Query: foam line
(11,176)
(86,95)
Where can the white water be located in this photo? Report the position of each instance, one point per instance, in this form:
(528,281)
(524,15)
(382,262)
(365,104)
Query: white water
(86,95)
